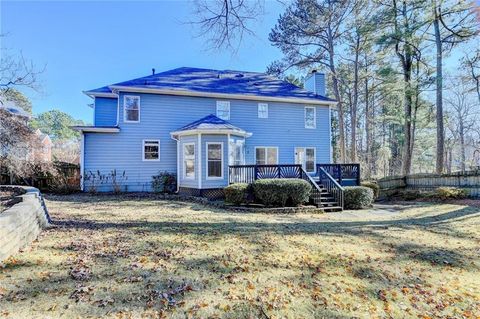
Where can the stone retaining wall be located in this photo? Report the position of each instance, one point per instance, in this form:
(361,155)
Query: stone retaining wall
(22,223)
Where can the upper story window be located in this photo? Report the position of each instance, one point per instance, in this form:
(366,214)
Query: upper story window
(189,160)
(151,150)
(310,117)
(131,109)
(262,110)
(214,160)
(223,110)
(266,155)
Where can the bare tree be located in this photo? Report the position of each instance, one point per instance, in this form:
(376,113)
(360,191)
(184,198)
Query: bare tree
(472,63)
(463,114)
(225,22)
(453,22)
(17,72)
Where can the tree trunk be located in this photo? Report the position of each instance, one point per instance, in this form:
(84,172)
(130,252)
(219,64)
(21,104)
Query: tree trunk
(407,147)
(461,132)
(336,92)
(439,94)
(353,146)
(368,132)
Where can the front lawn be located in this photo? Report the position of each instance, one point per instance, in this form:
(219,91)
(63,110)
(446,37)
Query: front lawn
(127,257)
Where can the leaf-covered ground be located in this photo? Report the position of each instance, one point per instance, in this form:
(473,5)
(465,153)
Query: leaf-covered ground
(127,257)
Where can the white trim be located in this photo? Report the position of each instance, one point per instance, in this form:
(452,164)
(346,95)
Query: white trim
(265,147)
(211,131)
(118,110)
(92,129)
(314,117)
(330,133)
(222,166)
(304,164)
(99,94)
(143,150)
(94,111)
(226,104)
(82,161)
(224,95)
(200,177)
(184,173)
(258,110)
(124,113)
(228,156)
(178,162)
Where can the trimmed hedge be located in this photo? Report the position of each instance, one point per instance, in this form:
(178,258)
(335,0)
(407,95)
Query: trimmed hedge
(451,193)
(373,186)
(279,192)
(358,197)
(236,193)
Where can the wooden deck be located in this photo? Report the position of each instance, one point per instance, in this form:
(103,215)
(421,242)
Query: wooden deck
(327,182)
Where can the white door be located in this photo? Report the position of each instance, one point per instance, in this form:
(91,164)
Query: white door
(300,156)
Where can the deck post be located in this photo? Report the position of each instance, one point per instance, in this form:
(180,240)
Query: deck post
(339,169)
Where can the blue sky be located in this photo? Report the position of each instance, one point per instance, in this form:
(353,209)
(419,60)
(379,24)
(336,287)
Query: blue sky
(85,45)
(88,44)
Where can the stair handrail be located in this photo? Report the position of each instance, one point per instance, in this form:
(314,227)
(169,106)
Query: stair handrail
(332,186)
(316,190)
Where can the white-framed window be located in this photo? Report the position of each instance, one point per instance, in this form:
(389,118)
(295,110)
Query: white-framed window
(306,157)
(237,152)
(266,155)
(223,110)
(189,160)
(151,150)
(310,117)
(131,109)
(214,160)
(262,110)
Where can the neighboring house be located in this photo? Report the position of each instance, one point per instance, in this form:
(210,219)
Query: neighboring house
(196,122)
(42,150)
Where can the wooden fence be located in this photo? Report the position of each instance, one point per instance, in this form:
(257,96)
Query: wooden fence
(470,181)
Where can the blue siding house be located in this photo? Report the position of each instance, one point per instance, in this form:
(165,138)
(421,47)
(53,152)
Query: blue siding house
(197,122)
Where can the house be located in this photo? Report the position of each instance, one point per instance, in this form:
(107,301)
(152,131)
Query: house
(42,148)
(199,122)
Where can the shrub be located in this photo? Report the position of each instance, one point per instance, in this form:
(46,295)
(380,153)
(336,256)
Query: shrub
(373,186)
(358,197)
(236,193)
(451,193)
(164,182)
(277,192)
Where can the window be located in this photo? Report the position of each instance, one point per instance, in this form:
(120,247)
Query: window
(214,160)
(131,109)
(266,155)
(151,150)
(189,161)
(306,157)
(310,159)
(237,153)
(262,110)
(223,110)
(310,117)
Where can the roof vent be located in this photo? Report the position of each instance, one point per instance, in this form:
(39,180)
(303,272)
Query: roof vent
(153,71)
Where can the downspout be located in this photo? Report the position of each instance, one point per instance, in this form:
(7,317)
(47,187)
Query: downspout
(178,162)
(199,160)
(82,161)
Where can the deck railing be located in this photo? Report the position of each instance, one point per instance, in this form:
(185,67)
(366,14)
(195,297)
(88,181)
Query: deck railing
(344,174)
(250,173)
(331,185)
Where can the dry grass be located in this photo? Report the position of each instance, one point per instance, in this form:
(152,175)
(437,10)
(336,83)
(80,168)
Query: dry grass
(124,257)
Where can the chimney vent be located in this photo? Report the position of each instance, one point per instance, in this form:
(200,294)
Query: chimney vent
(153,71)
